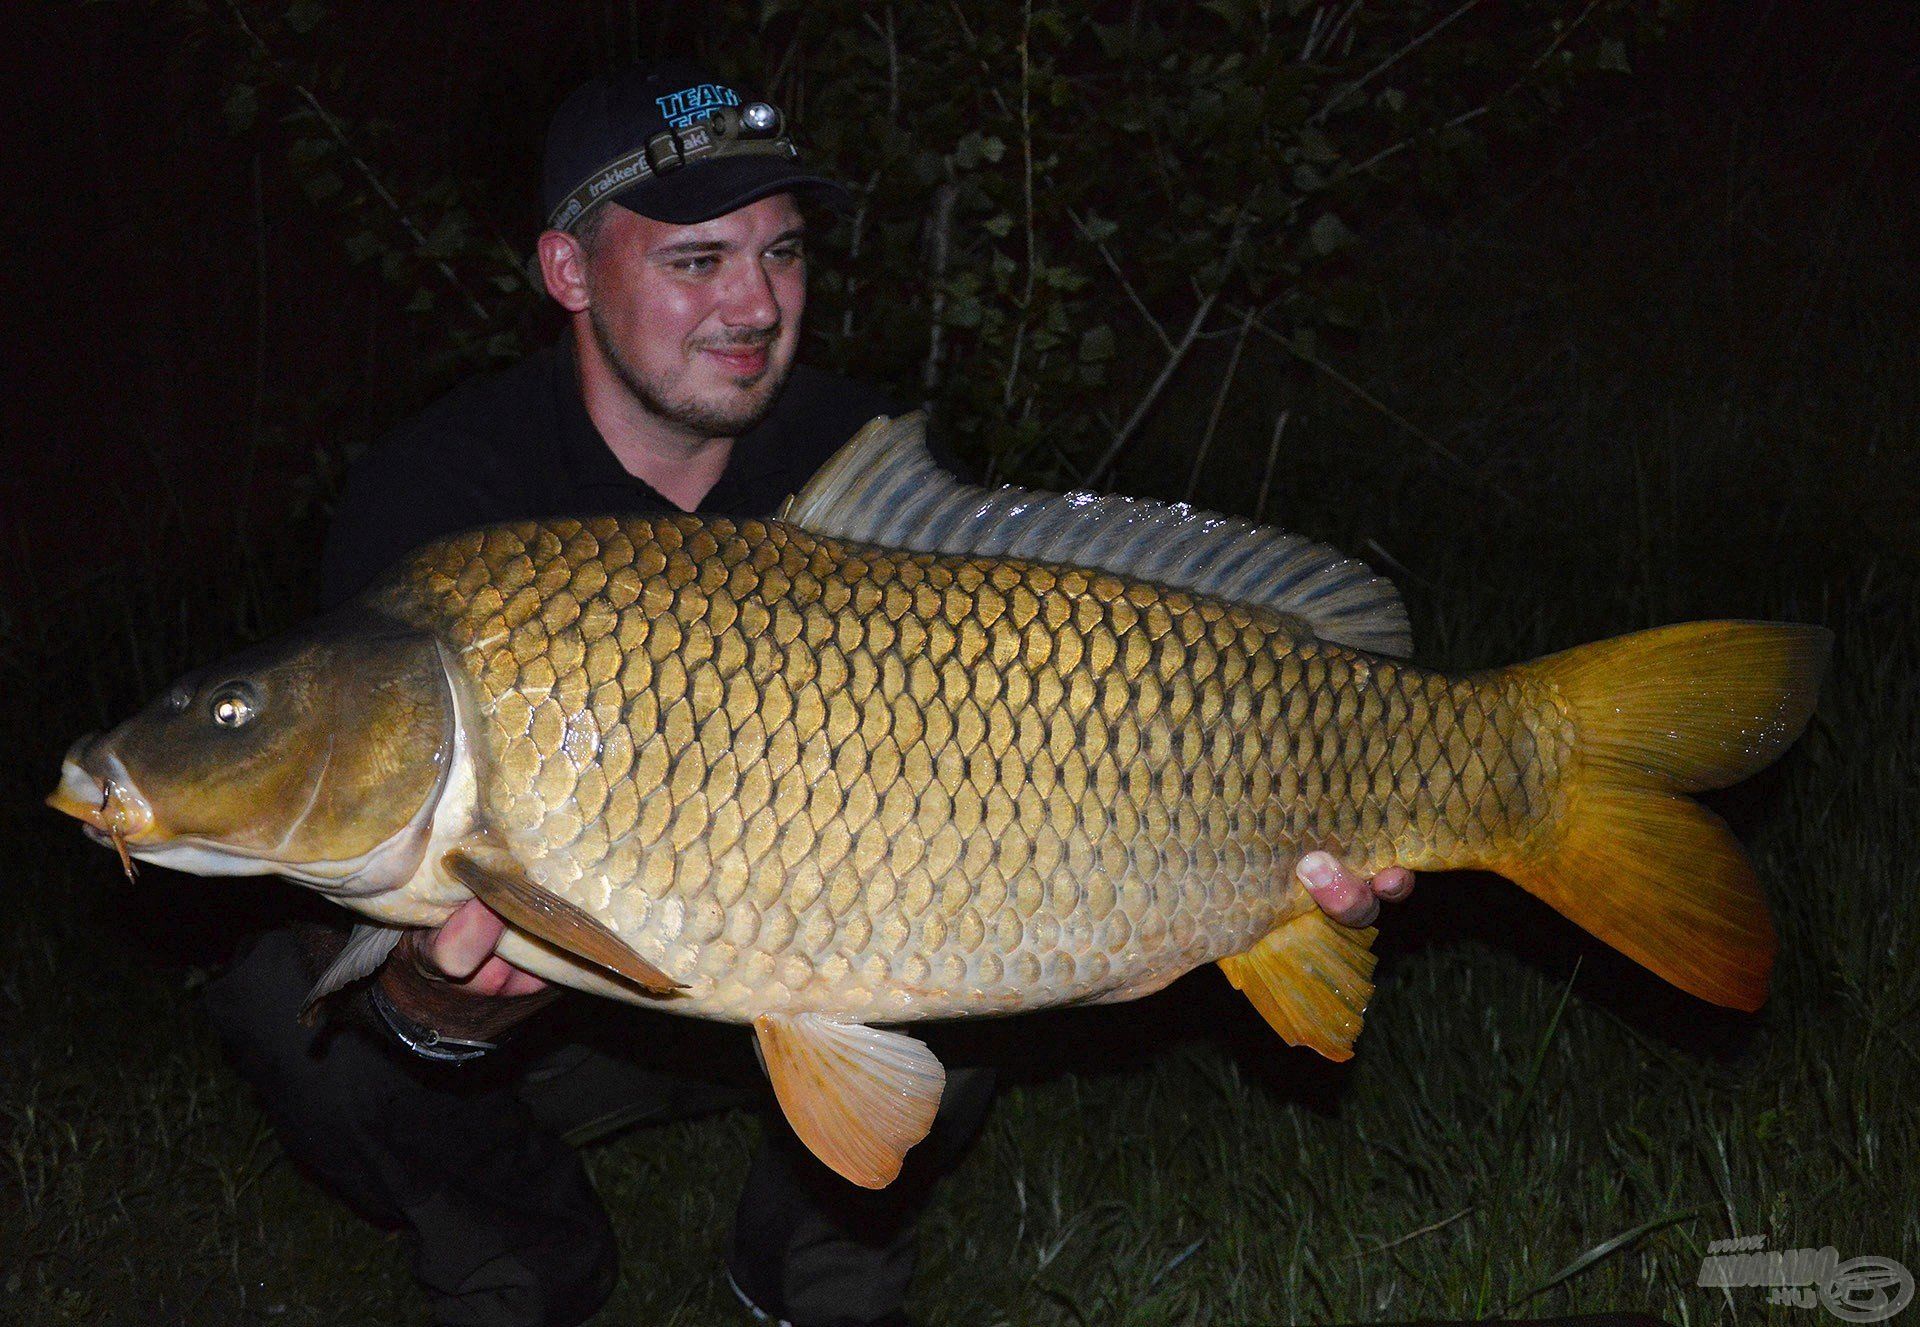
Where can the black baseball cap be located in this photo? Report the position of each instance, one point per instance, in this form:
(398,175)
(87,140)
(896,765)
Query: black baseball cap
(670,141)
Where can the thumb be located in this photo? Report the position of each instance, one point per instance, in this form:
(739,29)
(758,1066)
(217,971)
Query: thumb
(465,940)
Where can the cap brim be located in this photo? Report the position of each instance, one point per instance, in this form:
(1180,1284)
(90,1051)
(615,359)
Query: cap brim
(710,189)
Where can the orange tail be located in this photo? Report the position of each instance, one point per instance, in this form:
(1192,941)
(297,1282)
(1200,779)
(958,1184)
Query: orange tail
(1658,715)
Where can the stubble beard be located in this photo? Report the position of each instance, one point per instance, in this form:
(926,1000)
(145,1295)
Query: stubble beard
(703,418)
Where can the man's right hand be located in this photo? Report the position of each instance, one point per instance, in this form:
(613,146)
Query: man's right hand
(450,980)
(460,951)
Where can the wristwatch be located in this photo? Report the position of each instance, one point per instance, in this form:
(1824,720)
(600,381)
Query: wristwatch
(424,1041)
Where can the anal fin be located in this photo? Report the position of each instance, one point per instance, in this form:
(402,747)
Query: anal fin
(1310,978)
(859,1097)
(503,885)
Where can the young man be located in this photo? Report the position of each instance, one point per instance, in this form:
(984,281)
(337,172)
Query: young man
(677,249)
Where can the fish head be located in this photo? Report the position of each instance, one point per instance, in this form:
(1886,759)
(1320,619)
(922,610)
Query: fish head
(320,755)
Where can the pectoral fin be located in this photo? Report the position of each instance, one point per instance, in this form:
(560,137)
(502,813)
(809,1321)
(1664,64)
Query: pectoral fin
(366,949)
(858,1096)
(503,885)
(1310,978)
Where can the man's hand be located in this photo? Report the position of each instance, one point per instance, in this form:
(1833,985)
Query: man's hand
(460,950)
(449,979)
(1351,900)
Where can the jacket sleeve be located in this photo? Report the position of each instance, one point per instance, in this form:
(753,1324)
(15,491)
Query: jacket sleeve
(409,491)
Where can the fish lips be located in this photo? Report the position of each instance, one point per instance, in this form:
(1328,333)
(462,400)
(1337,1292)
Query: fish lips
(96,790)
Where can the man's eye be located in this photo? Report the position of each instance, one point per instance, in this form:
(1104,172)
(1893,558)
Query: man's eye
(788,253)
(697,266)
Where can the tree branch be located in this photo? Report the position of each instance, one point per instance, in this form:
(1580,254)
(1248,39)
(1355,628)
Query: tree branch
(1179,352)
(360,165)
(1439,448)
(1334,102)
(1219,403)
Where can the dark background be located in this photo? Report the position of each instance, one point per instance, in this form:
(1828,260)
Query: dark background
(1646,349)
(1594,384)
(187,329)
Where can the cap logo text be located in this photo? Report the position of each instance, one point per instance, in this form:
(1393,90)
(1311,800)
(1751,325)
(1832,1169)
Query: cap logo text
(682,108)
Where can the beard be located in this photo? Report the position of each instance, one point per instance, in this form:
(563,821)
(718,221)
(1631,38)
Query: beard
(708,419)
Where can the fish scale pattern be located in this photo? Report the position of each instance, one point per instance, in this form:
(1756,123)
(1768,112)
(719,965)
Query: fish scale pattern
(798,774)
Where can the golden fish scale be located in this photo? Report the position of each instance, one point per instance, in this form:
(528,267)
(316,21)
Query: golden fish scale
(802,774)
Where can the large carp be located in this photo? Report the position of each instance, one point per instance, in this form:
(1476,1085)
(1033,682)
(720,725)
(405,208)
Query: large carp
(917,750)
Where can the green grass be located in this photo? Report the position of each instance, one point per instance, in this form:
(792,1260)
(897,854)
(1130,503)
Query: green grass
(1700,407)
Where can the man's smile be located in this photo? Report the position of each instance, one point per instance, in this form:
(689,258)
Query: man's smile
(740,361)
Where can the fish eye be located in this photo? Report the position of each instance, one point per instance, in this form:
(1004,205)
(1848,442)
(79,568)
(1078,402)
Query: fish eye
(179,698)
(232,705)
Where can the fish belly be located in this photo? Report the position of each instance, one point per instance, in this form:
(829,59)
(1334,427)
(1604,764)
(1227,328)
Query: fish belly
(796,774)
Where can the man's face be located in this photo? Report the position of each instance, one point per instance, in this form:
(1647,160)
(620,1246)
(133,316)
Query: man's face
(701,322)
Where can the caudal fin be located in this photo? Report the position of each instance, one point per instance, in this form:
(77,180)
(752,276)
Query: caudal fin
(1657,715)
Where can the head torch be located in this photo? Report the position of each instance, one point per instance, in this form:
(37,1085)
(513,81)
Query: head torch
(756,129)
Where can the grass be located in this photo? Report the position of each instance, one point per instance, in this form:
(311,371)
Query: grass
(1700,405)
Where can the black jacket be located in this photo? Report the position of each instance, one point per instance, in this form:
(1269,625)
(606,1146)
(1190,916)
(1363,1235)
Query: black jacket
(520,444)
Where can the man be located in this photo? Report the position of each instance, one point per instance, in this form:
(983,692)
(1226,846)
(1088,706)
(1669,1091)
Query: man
(676,246)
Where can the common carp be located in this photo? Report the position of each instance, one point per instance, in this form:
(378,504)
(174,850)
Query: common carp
(918,750)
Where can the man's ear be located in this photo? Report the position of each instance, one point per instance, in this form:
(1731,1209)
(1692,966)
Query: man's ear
(563,265)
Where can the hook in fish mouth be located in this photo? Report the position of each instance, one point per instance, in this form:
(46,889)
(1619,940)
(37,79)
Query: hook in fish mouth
(109,808)
(116,833)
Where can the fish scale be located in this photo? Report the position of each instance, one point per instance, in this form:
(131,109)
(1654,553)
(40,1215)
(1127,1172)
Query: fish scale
(804,774)
(903,754)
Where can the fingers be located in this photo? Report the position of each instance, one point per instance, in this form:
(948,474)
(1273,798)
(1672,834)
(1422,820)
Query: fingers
(466,940)
(1350,899)
(1342,895)
(1393,884)
(516,981)
(462,949)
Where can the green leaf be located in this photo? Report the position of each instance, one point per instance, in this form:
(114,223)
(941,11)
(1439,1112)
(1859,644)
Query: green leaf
(1062,278)
(998,225)
(240,108)
(1316,146)
(322,185)
(1329,234)
(1098,227)
(306,151)
(964,313)
(305,15)
(448,235)
(422,301)
(363,246)
(1345,304)
(1096,344)
(1612,55)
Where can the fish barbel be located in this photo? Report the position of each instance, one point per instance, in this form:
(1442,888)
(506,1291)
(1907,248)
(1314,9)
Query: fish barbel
(919,751)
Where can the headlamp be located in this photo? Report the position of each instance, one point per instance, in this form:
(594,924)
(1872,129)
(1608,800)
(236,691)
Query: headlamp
(729,131)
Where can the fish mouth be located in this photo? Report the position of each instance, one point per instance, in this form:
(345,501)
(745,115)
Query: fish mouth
(96,790)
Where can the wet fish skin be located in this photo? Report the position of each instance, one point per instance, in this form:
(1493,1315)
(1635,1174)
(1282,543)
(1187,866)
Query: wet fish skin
(788,772)
(800,774)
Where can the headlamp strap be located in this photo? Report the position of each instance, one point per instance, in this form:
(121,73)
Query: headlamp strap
(728,132)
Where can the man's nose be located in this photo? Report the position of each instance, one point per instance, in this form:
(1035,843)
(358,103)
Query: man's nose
(750,299)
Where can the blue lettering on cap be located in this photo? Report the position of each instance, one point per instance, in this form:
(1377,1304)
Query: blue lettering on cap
(682,108)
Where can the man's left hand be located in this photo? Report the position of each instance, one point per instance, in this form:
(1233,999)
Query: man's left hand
(1350,899)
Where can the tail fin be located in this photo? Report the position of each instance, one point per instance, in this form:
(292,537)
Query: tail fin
(1645,868)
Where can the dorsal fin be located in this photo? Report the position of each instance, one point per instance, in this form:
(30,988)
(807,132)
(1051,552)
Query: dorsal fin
(883,488)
